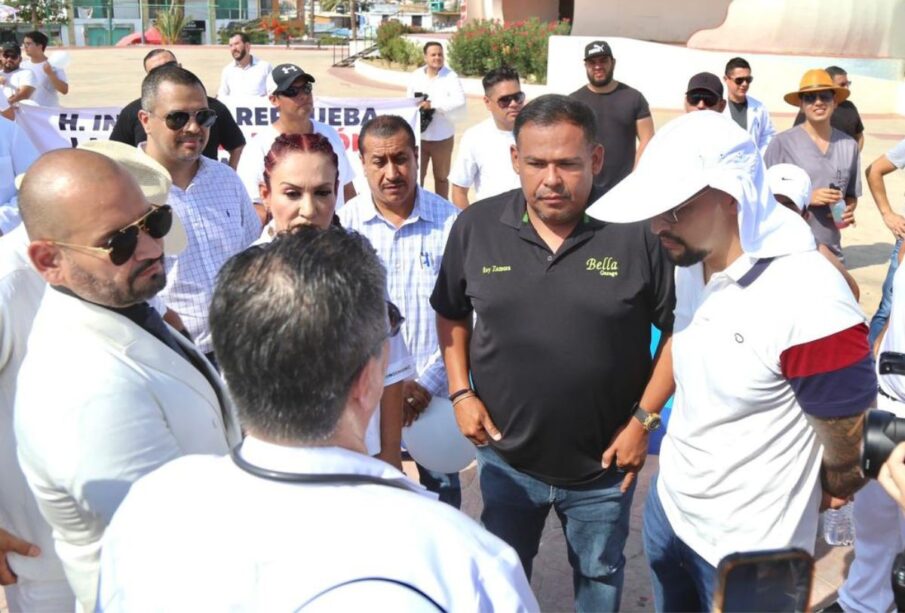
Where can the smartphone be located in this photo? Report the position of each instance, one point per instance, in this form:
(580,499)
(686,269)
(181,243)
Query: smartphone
(772,580)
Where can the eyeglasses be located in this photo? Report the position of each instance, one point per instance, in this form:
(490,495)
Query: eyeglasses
(708,98)
(395,318)
(121,246)
(505,101)
(176,120)
(845,84)
(825,96)
(740,80)
(293,91)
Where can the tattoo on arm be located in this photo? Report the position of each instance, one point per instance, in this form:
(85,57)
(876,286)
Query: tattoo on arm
(840,474)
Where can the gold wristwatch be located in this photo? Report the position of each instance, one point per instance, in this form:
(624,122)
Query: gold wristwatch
(649,421)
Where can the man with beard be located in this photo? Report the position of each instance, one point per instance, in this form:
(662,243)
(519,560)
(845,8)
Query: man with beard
(107,391)
(17,83)
(544,320)
(206,195)
(623,116)
(770,397)
(247,75)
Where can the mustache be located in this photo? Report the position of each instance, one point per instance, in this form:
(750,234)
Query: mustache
(144,266)
(673,238)
(545,192)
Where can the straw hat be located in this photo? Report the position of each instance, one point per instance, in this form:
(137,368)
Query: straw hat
(815,80)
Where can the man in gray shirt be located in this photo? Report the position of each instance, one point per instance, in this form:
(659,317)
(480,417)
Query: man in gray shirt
(829,156)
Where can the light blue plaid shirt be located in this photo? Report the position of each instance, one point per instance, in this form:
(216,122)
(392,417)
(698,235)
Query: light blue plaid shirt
(411,255)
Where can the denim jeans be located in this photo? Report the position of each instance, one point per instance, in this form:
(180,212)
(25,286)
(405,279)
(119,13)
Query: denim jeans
(882,315)
(595,522)
(682,580)
(445,484)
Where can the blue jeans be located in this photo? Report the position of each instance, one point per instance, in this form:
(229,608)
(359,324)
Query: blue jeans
(682,580)
(445,484)
(882,315)
(595,520)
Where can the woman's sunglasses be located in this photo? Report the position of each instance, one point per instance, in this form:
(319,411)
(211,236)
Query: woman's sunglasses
(121,246)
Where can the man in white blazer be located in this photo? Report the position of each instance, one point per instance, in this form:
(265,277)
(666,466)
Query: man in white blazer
(107,391)
(749,113)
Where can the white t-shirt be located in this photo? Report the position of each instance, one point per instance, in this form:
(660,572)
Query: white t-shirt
(248,81)
(21,77)
(764,343)
(45,93)
(400,365)
(251,164)
(484,160)
(251,544)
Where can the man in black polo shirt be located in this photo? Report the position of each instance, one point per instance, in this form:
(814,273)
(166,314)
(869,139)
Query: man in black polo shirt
(224,132)
(559,355)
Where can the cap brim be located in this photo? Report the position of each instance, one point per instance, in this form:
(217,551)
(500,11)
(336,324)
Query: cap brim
(640,196)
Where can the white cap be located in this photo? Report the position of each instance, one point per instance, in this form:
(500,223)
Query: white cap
(792,182)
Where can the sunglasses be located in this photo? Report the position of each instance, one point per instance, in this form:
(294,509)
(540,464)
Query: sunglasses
(709,99)
(811,97)
(121,246)
(505,101)
(11,56)
(176,120)
(740,80)
(293,91)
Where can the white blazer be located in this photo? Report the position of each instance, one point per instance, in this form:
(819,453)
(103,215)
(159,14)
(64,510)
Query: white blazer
(99,403)
(760,127)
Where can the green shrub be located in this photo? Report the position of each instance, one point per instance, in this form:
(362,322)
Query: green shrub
(482,45)
(394,48)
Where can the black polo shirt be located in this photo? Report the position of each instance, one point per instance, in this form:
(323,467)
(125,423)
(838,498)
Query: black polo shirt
(561,346)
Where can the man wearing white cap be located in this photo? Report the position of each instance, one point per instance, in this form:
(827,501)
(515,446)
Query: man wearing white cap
(756,433)
(107,392)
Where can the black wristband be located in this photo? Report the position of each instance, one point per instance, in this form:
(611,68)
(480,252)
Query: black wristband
(458,393)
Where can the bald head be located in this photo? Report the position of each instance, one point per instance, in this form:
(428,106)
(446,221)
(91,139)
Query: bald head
(60,191)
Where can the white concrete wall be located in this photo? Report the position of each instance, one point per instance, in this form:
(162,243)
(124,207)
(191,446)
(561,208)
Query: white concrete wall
(661,73)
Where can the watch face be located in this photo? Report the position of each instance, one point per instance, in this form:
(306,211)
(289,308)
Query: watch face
(652,423)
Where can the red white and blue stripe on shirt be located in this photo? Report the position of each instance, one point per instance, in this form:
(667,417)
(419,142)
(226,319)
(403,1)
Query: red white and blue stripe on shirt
(832,376)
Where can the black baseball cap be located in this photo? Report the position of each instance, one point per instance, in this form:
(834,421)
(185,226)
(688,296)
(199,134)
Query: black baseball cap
(598,48)
(284,75)
(705,81)
(11,47)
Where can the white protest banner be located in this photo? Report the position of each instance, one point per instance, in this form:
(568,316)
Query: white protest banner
(56,128)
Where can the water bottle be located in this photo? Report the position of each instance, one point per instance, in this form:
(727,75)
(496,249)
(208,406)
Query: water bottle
(838,529)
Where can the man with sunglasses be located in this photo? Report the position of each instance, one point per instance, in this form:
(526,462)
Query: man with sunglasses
(107,391)
(745,110)
(772,369)
(17,83)
(846,117)
(483,161)
(224,133)
(830,157)
(206,195)
(291,90)
(704,93)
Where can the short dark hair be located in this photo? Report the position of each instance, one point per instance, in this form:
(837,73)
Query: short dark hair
(168,73)
(293,322)
(549,109)
(497,76)
(835,71)
(155,53)
(242,35)
(430,44)
(39,38)
(385,126)
(737,62)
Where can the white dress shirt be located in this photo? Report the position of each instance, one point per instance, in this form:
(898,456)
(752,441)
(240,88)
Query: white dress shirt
(244,543)
(446,96)
(250,80)
(411,255)
(42,584)
(45,93)
(484,160)
(219,221)
(16,154)
(251,164)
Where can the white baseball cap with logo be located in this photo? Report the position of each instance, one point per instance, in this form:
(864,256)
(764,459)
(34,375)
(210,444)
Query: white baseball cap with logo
(792,182)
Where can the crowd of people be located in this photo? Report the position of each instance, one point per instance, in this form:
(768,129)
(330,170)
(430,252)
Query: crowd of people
(206,368)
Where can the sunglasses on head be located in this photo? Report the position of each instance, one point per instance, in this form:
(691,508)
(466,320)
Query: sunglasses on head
(740,80)
(293,91)
(824,96)
(121,246)
(176,120)
(708,98)
(504,101)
